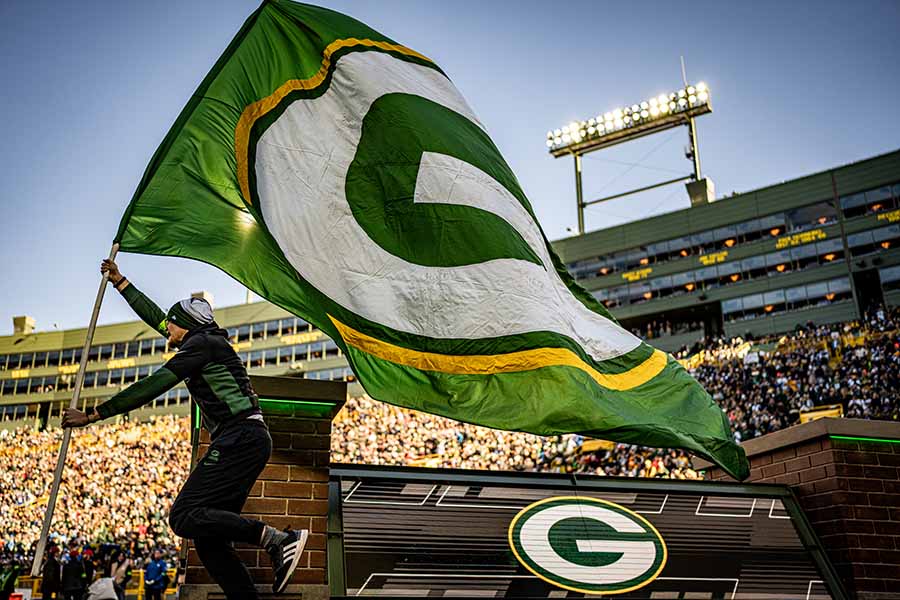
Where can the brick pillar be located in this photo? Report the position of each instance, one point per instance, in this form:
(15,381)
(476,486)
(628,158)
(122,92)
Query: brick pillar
(849,490)
(291,491)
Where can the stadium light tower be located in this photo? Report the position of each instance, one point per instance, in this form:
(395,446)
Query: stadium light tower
(666,111)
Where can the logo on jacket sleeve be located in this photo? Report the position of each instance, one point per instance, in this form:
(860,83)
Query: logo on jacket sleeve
(587,545)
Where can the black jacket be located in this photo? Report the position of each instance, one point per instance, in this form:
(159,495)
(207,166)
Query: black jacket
(50,577)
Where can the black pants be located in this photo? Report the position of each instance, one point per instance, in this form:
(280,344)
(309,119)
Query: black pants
(207,510)
(154,594)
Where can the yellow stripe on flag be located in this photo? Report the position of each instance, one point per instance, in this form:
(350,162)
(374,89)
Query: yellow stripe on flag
(512,362)
(259,108)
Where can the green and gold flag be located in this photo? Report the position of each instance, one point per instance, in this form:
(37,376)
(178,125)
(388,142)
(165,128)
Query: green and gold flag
(342,176)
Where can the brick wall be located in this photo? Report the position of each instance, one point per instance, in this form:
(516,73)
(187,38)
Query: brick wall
(849,491)
(291,491)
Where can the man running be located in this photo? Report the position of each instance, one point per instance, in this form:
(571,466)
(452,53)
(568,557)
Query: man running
(207,509)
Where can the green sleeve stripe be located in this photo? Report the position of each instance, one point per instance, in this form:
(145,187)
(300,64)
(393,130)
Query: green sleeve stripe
(140,393)
(222,383)
(146,309)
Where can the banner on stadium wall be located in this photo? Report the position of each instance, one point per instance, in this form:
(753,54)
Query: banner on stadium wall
(834,411)
(343,177)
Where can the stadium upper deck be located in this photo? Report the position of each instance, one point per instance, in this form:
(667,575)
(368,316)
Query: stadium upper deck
(818,248)
(37,370)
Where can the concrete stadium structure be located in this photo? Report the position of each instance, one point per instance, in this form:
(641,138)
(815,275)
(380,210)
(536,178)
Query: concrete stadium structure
(819,248)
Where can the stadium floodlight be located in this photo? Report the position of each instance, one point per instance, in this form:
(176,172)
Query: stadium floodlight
(661,112)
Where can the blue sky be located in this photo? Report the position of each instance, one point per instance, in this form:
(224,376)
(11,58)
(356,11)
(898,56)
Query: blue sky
(88,94)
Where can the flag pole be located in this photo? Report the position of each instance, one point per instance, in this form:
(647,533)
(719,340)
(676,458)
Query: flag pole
(67,433)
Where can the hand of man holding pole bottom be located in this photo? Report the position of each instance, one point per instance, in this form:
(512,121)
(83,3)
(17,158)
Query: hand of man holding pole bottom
(76,396)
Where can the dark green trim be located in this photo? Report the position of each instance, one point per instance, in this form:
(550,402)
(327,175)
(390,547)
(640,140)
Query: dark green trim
(337,567)
(560,480)
(864,439)
(814,547)
(297,408)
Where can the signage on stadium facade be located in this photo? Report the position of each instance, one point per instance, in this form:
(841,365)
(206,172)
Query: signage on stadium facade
(120,363)
(798,239)
(714,258)
(637,275)
(301,338)
(890,217)
(587,545)
(67,369)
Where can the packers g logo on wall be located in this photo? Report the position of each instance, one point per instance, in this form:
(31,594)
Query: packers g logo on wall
(587,545)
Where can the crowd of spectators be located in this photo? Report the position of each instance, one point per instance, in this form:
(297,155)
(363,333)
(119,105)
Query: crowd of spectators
(658,328)
(119,482)
(371,432)
(121,478)
(765,384)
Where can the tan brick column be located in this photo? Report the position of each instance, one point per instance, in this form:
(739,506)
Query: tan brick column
(291,491)
(849,490)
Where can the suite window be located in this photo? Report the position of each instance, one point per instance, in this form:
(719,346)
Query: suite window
(22,386)
(886,238)
(707,277)
(774,301)
(331,349)
(703,242)
(754,267)
(8,387)
(661,286)
(145,347)
(811,217)
(805,256)
(271,358)
(773,225)
(159,345)
(683,282)
(243,333)
(725,237)
(636,293)
(301,352)
(106,352)
(115,377)
(729,272)
(258,331)
(879,200)
(288,326)
(286,355)
(890,278)
(272,328)
(40,360)
(830,251)
(256,359)
(853,205)
(861,243)
(779,262)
